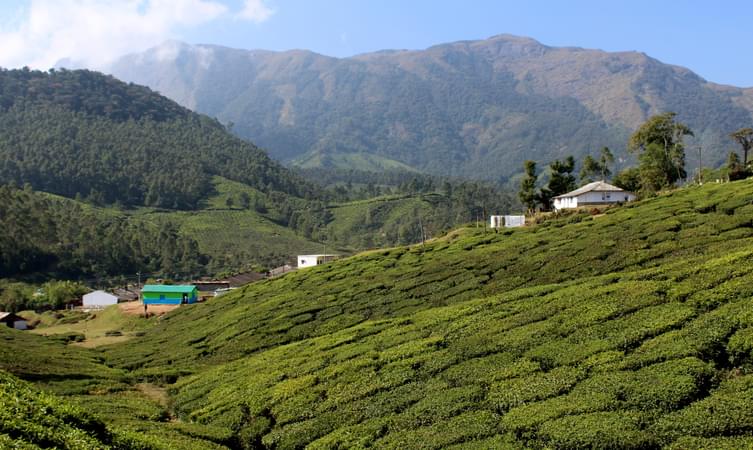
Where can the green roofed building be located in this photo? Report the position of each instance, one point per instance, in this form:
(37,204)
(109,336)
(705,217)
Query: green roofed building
(162,294)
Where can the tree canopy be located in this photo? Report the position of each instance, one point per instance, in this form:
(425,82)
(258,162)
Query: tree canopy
(661,151)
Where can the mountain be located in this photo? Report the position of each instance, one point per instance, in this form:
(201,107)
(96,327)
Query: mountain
(154,187)
(471,108)
(81,133)
(630,330)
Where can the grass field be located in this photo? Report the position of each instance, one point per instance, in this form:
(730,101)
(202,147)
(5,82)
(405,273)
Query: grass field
(359,161)
(117,323)
(627,330)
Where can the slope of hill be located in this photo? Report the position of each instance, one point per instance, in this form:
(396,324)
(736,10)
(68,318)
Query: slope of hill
(82,403)
(628,330)
(53,236)
(473,108)
(83,133)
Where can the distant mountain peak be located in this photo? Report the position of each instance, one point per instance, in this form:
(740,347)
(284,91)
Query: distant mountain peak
(474,108)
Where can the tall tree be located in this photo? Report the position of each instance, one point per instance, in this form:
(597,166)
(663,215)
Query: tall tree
(744,137)
(590,169)
(735,169)
(527,193)
(605,159)
(659,143)
(561,181)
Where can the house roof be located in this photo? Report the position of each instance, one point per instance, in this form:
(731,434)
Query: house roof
(100,293)
(596,186)
(169,288)
(7,315)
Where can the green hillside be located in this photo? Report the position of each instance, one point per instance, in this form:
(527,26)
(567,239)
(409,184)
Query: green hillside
(77,402)
(81,133)
(630,329)
(627,330)
(49,236)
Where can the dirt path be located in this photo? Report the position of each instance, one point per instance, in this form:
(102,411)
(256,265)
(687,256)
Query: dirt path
(137,308)
(159,395)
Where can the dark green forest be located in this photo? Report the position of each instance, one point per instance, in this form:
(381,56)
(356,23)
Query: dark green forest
(82,134)
(41,234)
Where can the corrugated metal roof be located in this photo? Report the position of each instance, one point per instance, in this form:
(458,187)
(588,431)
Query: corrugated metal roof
(172,288)
(596,186)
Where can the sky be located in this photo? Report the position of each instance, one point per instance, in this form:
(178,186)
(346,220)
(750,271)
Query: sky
(712,38)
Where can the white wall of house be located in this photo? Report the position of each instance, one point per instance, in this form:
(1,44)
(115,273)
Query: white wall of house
(497,221)
(99,299)
(20,325)
(593,198)
(314,260)
(515,221)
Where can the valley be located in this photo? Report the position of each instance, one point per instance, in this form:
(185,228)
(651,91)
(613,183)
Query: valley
(551,335)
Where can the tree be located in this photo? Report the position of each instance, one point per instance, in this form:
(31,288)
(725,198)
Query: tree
(735,169)
(605,159)
(590,169)
(661,151)
(245,200)
(628,179)
(527,193)
(561,181)
(744,137)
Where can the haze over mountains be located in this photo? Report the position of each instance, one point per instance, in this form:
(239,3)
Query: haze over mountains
(471,108)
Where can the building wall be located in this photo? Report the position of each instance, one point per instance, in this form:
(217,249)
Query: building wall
(306,261)
(593,198)
(314,260)
(96,299)
(20,325)
(167,298)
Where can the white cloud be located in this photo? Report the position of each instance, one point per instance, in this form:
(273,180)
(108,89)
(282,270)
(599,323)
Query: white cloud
(256,11)
(92,33)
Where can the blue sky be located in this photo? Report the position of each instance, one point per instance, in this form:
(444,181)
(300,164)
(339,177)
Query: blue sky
(710,38)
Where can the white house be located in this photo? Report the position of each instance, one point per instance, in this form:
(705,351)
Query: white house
(507,221)
(13,321)
(314,260)
(99,299)
(597,193)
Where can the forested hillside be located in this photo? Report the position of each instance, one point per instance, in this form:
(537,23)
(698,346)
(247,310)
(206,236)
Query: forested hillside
(473,108)
(56,237)
(178,194)
(80,133)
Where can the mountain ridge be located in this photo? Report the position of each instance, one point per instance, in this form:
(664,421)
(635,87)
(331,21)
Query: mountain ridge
(474,108)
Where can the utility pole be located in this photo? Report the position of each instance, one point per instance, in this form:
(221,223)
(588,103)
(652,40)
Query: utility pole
(421,225)
(700,165)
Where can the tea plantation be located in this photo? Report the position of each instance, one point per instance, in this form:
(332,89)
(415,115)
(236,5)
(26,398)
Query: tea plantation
(632,329)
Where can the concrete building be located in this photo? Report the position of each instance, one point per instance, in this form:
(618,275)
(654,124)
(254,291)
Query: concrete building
(99,299)
(314,260)
(163,294)
(597,193)
(13,321)
(507,221)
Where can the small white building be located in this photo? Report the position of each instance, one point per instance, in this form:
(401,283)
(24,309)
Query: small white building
(13,321)
(507,221)
(314,260)
(597,193)
(99,299)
